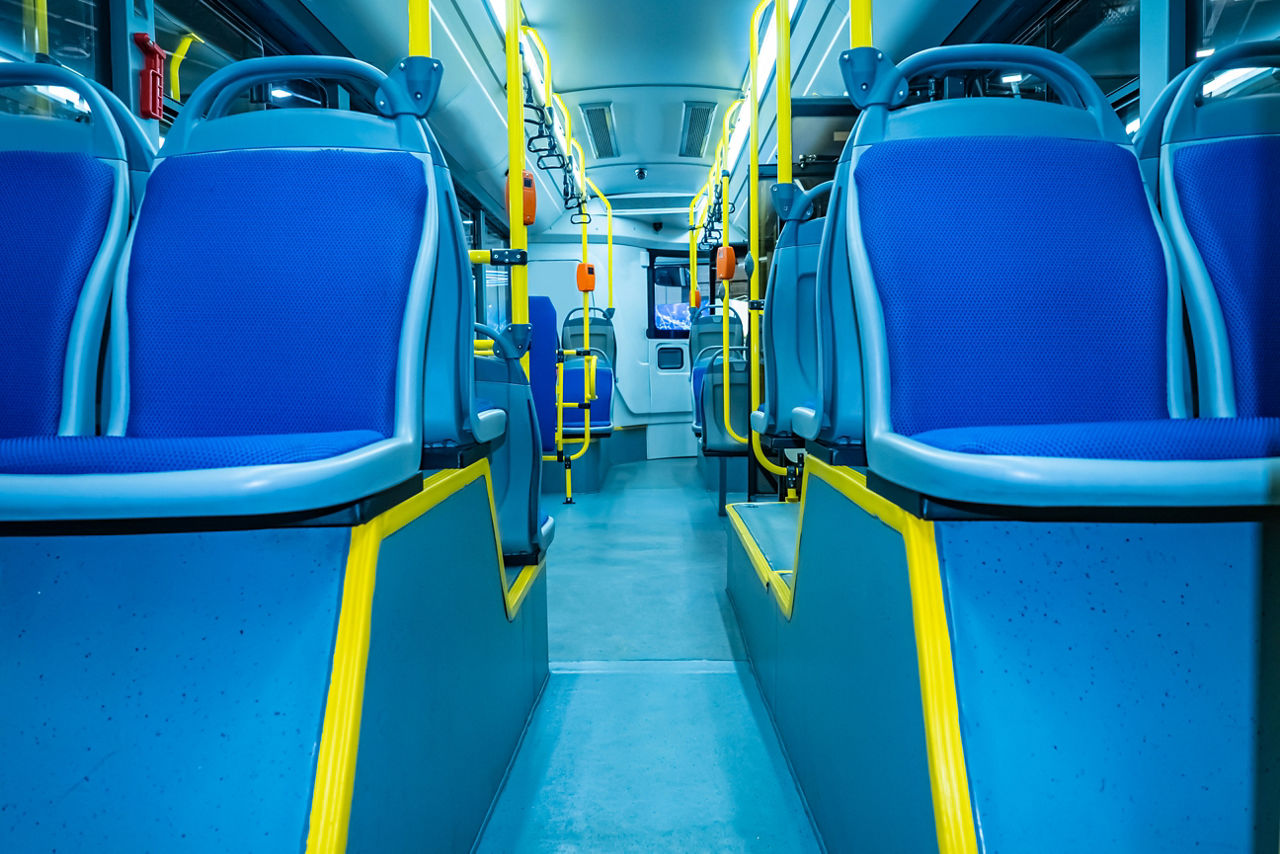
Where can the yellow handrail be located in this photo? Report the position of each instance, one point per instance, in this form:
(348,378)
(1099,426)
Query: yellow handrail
(860,23)
(782,16)
(693,246)
(175,64)
(608,212)
(519,239)
(722,151)
(419,27)
(546,63)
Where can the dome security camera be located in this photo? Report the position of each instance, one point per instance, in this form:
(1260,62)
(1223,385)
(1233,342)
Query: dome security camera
(641,174)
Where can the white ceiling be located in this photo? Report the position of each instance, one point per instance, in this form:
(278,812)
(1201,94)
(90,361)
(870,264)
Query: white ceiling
(647,57)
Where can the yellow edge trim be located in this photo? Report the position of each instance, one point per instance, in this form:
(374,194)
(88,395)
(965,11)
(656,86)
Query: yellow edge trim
(771,579)
(949,780)
(340,736)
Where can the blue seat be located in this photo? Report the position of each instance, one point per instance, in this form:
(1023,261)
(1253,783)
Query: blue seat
(59,251)
(994,368)
(258,375)
(601,408)
(543,344)
(1219,165)
(706,343)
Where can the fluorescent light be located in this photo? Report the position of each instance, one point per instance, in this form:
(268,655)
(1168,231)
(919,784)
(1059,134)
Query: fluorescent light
(280,94)
(502,116)
(768,56)
(66,96)
(1204,53)
(738,137)
(1133,127)
(822,63)
(498,9)
(1011,78)
(1228,80)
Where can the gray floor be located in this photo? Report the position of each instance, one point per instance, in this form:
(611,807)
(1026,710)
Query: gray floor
(651,735)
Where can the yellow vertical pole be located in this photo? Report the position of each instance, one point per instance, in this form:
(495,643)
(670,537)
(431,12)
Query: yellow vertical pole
(519,240)
(608,212)
(782,15)
(693,248)
(419,27)
(860,23)
(722,154)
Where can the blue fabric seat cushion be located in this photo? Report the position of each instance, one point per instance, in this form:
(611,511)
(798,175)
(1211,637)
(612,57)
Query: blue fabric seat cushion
(1165,439)
(267,291)
(542,367)
(60,205)
(988,327)
(697,376)
(601,407)
(1227,192)
(128,455)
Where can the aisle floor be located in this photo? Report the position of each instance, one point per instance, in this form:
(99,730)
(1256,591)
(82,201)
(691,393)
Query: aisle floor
(651,734)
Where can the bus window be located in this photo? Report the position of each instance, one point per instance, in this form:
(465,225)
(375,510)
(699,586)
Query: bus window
(669,298)
(1219,24)
(199,41)
(68,31)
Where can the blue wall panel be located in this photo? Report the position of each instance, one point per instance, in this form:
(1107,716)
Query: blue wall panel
(841,678)
(164,692)
(449,686)
(848,694)
(1106,675)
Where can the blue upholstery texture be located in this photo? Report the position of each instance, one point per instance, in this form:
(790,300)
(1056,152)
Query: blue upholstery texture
(267,289)
(60,206)
(125,455)
(542,367)
(1167,439)
(601,407)
(1227,192)
(1061,317)
(696,376)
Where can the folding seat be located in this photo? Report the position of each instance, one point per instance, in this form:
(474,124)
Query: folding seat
(516,463)
(993,367)
(1219,167)
(60,250)
(788,327)
(604,344)
(706,342)
(294,287)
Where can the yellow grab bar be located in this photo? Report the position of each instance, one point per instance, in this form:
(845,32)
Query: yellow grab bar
(860,23)
(419,27)
(175,64)
(519,240)
(782,15)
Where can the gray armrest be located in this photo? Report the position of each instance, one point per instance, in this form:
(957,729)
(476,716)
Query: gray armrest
(490,425)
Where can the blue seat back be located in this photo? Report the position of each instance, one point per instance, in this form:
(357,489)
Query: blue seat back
(67,186)
(543,344)
(516,462)
(789,337)
(1219,170)
(706,334)
(958,331)
(294,271)
(716,438)
(601,406)
(603,336)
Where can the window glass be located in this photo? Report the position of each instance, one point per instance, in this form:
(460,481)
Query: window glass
(497,282)
(67,30)
(199,41)
(669,298)
(1222,23)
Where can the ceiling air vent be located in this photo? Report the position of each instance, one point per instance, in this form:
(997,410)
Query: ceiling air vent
(696,129)
(599,119)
